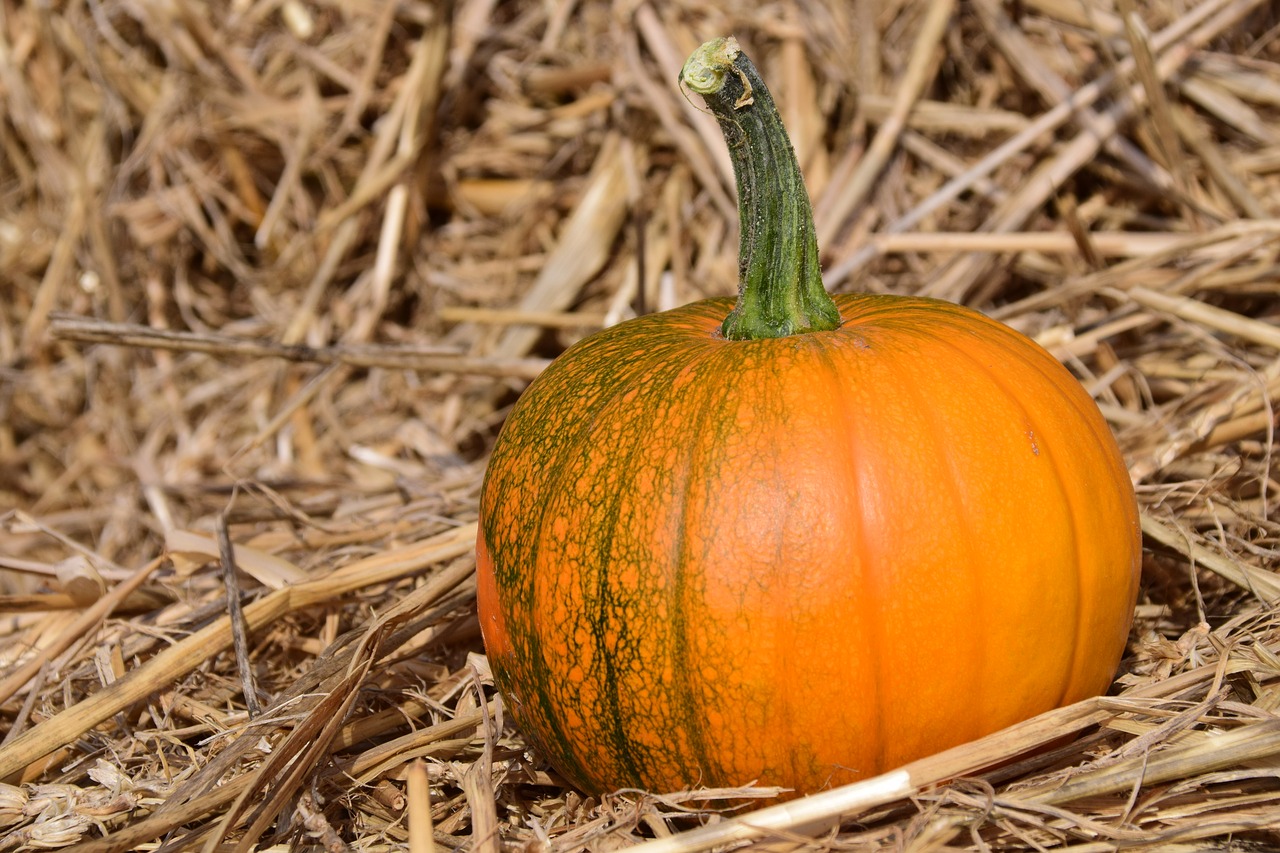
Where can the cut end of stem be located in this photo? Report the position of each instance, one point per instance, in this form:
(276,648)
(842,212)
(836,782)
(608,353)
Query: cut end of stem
(704,71)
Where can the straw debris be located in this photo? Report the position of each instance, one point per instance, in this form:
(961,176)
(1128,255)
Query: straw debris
(273,273)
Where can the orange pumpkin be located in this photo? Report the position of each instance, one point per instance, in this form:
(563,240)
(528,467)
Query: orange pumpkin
(798,559)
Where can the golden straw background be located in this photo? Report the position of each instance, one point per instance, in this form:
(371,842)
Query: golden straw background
(272,273)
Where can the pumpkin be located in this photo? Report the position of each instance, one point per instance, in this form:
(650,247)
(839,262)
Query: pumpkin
(804,544)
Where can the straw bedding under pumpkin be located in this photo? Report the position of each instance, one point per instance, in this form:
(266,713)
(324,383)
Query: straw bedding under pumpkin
(273,272)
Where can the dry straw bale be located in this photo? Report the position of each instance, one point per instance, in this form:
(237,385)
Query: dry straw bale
(273,271)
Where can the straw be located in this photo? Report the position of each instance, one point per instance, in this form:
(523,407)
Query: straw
(274,278)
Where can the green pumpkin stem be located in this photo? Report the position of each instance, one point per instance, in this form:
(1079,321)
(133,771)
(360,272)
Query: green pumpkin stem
(780,288)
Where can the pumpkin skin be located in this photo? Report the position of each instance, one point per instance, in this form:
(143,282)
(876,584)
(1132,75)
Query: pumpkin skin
(801,560)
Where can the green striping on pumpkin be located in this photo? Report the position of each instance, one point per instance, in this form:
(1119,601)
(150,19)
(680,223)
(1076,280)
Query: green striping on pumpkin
(799,557)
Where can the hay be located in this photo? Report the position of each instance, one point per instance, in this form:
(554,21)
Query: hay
(274,271)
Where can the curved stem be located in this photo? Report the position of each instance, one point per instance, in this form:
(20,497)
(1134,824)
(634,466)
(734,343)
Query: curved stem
(780,288)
